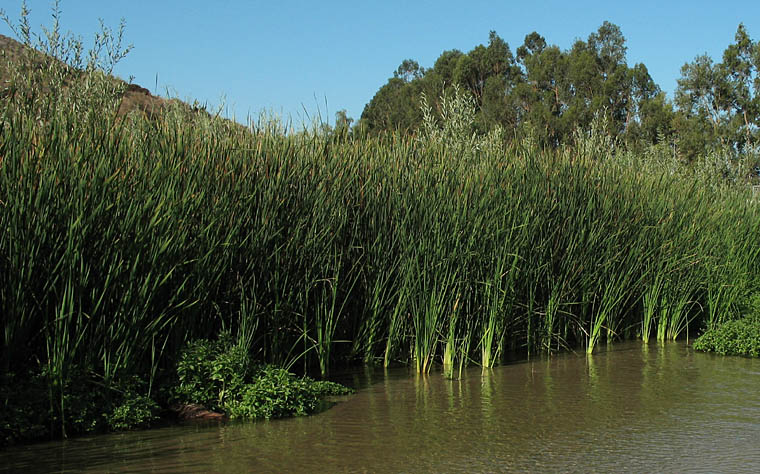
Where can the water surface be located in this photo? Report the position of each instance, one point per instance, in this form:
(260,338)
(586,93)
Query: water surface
(633,408)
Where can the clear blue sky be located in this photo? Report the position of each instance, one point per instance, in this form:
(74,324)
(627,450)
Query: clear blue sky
(286,56)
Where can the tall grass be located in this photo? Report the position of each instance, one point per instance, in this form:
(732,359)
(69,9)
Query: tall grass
(124,238)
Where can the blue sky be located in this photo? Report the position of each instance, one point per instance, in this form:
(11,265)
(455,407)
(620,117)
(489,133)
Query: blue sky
(292,58)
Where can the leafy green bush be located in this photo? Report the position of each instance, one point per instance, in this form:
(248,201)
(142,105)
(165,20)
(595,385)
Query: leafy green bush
(737,337)
(219,375)
(209,371)
(275,393)
(34,406)
(135,411)
(129,408)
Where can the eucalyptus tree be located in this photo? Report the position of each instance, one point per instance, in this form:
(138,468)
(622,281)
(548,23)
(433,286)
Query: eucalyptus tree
(542,89)
(564,90)
(541,97)
(487,72)
(719,102)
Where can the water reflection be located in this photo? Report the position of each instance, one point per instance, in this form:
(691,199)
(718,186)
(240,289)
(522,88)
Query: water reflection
(635,407)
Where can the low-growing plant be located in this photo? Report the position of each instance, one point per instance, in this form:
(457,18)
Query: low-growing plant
(30,411)
(735,337)
(738,337)
(220,375)
(129,407)
(210,370)
(135,411)
(276,393)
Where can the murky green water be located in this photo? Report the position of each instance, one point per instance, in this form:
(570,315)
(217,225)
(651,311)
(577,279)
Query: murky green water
(631,409)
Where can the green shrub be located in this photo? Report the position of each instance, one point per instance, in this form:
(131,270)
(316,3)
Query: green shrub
(135,411)
(738,337)
(36,406)
(129,409)
(220,376)
(275,393)
(209,371)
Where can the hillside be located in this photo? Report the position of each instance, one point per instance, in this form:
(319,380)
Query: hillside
(134,98)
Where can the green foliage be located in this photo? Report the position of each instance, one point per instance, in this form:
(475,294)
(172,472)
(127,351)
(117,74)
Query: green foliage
(55,72)
(209,371)
(544,90)
(719,100)
(30,411)
(737,337)
(483,75)
(135,411)
(314,250)
(219,375)
(129,407)
(393,108)
(550,94)
(453,128)
(455,131)
(275,393)
(734,335)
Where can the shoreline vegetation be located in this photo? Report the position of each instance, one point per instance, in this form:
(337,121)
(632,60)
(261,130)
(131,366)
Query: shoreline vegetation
(177,257)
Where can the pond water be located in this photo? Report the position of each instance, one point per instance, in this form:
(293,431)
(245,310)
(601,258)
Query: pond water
(632,408)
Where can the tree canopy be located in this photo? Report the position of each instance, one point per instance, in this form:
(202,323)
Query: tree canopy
(549,92)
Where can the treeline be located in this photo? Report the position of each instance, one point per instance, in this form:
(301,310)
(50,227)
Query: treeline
(546,92)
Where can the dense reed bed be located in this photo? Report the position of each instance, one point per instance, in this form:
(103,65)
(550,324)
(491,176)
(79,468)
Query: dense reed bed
(123,239)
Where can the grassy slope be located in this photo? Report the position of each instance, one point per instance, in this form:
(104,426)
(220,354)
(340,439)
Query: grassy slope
(134,98)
